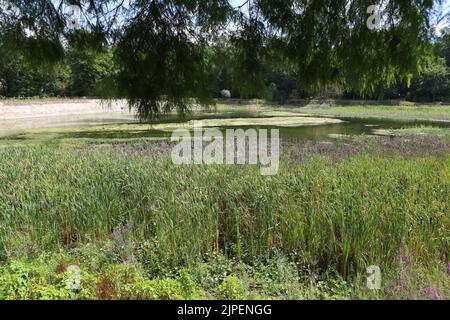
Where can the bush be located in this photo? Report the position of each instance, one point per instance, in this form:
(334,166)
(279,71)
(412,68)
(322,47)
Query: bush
(158,289)
(434,83)
(14,282)
(48,292)
(232,289)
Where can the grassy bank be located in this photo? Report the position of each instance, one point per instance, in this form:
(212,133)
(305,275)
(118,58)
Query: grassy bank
(420,113)
(222,231)
(415,131)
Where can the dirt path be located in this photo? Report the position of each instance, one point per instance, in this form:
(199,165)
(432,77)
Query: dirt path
(17,116)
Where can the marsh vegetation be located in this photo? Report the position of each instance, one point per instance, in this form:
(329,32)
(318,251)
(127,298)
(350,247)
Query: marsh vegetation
(109,199)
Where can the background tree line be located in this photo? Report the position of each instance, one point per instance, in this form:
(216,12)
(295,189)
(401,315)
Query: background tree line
(87,71)
(81,73)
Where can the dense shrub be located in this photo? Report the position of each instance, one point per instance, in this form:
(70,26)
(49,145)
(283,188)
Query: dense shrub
(434,83)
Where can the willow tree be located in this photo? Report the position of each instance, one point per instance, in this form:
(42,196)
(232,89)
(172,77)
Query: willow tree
(161,46)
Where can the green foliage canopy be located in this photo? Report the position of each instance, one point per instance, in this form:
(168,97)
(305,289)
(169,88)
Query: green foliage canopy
(162,47)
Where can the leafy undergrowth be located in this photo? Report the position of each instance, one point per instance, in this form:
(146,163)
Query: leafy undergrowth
(48,277)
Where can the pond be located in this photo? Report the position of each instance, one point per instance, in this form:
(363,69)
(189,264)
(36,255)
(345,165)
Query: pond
(316,130)
(352,126)
(291,125)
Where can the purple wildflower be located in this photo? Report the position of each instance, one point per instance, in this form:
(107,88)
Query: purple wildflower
(432,292)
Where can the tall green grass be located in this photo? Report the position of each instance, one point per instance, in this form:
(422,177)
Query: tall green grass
(342,217)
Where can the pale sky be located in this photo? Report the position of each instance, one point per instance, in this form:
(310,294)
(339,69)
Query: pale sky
(443,24)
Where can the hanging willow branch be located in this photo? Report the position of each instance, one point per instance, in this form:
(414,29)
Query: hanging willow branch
(161,47)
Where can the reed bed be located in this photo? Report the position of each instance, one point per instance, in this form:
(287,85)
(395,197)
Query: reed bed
(344,217)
